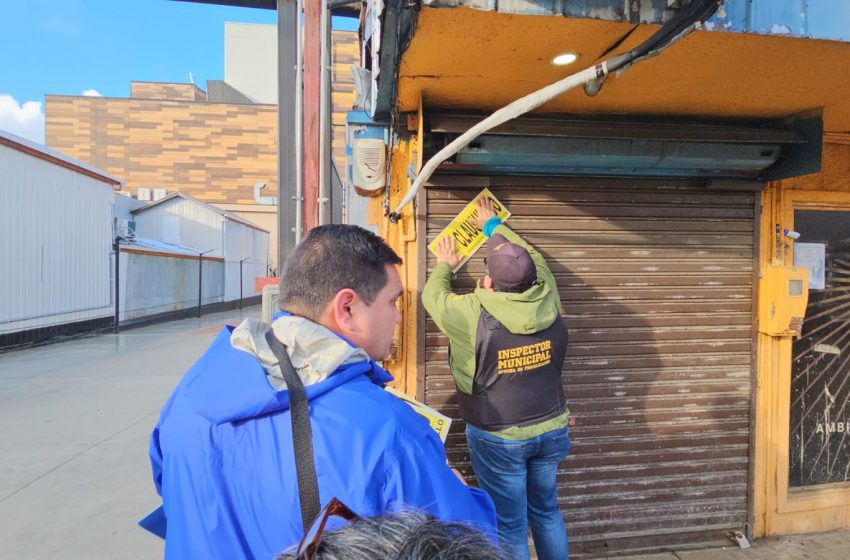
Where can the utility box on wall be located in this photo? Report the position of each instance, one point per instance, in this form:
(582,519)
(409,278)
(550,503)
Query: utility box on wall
(783,295)
(366,144)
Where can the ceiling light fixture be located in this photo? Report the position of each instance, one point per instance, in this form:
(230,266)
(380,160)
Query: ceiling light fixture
(564,59)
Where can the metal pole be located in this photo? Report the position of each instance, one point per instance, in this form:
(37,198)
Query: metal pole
(299,124)
(200,280)
(240,280)
(201,277)
(324,117)
(288,24)
(117,247)
(312,61)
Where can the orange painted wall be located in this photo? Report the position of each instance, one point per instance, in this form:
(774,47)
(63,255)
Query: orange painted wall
(835,168)
(471,59)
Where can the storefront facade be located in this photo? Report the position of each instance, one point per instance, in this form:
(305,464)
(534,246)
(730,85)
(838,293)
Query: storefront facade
(688,421)
(801,441)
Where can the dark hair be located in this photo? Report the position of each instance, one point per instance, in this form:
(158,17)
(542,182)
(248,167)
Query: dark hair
(332,258)
(407,535)
(515,290)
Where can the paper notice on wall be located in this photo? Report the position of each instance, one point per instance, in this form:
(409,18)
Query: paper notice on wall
(812,257)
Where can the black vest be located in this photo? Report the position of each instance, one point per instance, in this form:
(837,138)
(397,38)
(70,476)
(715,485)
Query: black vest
(517,376)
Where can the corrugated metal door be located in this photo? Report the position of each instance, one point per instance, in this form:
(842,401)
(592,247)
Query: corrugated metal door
(656,279)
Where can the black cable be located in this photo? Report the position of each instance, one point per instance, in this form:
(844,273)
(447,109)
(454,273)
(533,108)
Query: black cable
(618,42)
(696,10)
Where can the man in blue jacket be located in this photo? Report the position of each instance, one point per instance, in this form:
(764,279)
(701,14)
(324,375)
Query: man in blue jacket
(222,451)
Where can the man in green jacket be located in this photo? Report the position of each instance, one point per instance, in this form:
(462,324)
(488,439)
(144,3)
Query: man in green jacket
(508,343)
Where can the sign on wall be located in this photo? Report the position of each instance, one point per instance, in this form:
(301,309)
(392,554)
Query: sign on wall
(469,238)
(812,257)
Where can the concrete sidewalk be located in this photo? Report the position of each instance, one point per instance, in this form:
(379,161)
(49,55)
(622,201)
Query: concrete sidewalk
(74,470)
(832,545)
(75,417)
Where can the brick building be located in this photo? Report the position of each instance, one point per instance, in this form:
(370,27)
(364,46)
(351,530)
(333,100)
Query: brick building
(214,145)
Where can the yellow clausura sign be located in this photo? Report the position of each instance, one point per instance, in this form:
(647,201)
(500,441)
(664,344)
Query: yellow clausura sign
(469,238)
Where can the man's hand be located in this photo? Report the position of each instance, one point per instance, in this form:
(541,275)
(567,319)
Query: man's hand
(485,211)
(446,252)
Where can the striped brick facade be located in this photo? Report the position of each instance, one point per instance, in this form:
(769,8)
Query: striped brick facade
(159,90)
(168,135)
(212,151)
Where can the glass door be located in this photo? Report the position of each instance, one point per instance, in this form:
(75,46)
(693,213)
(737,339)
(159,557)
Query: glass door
(819,428)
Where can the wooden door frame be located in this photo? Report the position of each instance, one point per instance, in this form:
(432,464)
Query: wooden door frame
(780,509)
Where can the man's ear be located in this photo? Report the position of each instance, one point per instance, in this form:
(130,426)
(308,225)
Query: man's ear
(488,282)
(341,308)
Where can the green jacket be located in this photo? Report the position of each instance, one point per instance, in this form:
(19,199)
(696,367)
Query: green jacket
(457,316)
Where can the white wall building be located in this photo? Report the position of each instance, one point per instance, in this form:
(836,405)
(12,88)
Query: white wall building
(55,242)
(124,205)
(250,60)
(182,220)
(158,278)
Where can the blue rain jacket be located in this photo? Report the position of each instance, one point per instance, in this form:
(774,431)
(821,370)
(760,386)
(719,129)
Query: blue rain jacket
(223,460)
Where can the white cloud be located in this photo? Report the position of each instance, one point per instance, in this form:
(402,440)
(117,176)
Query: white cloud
(24,119)
(92,93)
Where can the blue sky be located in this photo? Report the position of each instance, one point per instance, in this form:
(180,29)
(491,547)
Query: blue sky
(98,46)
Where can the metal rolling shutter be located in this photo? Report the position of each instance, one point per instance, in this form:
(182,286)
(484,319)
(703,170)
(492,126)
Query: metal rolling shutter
(656,279)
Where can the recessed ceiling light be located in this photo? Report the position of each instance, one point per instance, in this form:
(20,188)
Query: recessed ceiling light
(564,59)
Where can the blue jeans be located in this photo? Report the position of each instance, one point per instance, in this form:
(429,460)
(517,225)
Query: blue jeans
(520,476)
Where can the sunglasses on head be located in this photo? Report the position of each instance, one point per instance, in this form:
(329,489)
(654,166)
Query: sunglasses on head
(313,536)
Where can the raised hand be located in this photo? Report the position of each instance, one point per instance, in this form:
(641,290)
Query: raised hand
(446,252)
(484,211)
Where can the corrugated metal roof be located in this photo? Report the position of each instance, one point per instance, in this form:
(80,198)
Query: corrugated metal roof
(161,246)
(48,154)
(227,215)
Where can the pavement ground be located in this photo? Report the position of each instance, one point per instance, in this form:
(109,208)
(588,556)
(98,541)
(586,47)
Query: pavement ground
(74,470)
(76,417)
(831,545)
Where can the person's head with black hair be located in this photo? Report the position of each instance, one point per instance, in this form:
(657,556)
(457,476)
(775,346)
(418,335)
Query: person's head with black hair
(344,278)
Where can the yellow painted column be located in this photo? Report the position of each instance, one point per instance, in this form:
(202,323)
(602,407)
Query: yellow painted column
(402,237)
(772,380)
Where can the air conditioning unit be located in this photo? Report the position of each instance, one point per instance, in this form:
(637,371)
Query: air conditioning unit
(143,193)
(159,193)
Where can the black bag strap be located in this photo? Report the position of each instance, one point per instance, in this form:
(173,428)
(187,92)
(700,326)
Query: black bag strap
(302,434)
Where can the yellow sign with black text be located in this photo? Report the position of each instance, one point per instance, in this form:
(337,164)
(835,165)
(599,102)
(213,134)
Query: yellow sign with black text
(469,238)
(440,423)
